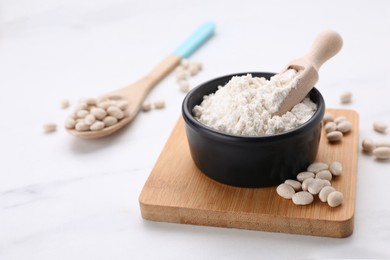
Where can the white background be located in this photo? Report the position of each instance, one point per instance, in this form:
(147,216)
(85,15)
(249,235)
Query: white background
(65,198)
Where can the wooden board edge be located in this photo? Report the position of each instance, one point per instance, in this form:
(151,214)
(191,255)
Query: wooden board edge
(267,223)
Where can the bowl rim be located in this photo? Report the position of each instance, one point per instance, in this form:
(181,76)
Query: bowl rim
(190,119)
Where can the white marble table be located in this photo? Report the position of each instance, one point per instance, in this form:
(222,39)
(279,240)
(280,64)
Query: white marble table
(63,198)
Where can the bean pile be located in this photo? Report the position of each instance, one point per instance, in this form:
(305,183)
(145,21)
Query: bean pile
(336,128)
(184,70)
(95,114)
(316,180)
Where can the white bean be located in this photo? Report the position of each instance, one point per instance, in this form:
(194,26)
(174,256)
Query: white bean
(317,167)
(368,145)
(109,121)
(334,136)
(91,101)
(99,113)
(115,112)
(181,75)
(64,103)
(315,186)
(327,118)
(159,104)
(82,113)
(304,175)
(81,126)
(285,191)
(122,104)
(184,63)
(330,127)
(346,97)
(382,143)
(339,119)
(184,86)
(306,183)
(193,70)
(293,183)
(49,127)
(324,193)
(302,198)
(324,175)
(89,119)
(344,126)
(146,106)
(105,104)
(380,126)
(382,153)
(336,168)
(70,123)
(335,199)
(97,125)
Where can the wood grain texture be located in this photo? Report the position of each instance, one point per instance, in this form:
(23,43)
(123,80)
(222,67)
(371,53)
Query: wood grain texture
(176,191)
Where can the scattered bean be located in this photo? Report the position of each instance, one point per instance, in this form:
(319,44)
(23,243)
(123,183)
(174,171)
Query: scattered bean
(380,126)
(146,106)
(335,199)
(382,143)
(159,104)
(302,198)
(344,126)
(324,175)
(382,153)
(336,168)
(286,191)
(324,193)
(49,127)
(64,103)
(184,63)
(304,175)
(330,127)
(334,136)
(368,145)
(185,69)
(346,97)
(315,186)
(327,118)
(317,167)
(306,183)
(184,86)
(293,183)
(339,119)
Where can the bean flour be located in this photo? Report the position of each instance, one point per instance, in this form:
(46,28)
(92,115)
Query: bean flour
(245,106)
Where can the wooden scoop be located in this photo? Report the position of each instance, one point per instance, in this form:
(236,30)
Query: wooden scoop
(137,92)
(327,44)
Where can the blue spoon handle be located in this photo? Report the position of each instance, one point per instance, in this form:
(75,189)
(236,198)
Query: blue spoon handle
(199,37)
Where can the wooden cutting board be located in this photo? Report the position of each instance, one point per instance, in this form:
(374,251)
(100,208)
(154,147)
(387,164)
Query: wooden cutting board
(176,191)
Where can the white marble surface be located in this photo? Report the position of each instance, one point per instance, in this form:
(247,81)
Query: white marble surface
(63,198)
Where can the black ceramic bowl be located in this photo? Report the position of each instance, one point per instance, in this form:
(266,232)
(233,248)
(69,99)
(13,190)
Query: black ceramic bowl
(250,161)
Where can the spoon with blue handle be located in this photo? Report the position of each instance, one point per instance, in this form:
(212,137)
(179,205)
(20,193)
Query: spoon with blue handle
(136,93)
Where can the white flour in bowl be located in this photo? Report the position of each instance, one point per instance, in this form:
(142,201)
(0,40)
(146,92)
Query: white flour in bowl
(244,106)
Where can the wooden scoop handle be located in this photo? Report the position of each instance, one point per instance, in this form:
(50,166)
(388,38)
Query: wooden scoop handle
(327,44)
